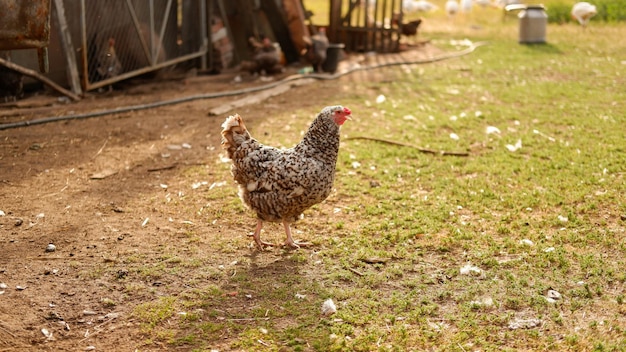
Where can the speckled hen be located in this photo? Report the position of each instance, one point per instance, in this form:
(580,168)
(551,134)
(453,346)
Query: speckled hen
(280,184)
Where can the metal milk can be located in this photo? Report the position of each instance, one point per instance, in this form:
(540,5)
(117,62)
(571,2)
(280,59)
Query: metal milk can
(532,24)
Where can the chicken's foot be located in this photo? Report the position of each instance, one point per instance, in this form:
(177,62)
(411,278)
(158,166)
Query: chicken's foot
(257,236)
(290,242)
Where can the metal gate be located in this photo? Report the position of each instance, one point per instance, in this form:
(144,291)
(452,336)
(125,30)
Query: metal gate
(120,39)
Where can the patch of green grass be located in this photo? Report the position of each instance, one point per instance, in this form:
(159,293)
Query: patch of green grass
(151,314)
(92,273)
(108,302)
(152,271)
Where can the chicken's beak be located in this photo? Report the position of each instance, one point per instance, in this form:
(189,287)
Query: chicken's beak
(348,113)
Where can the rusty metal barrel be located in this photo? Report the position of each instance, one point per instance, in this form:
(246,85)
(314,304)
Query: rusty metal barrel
(25,24)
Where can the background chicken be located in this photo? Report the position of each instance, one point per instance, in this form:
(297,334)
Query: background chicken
(280,184)
(266,59)
(582,12)
(452,8)
(483,3)
(408,29)
(11,85)
(109,65)
(317,49)
(503,3)
(412,6)
(466,6)
(11,82)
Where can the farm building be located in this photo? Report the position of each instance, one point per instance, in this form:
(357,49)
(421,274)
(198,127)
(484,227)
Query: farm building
(93,44)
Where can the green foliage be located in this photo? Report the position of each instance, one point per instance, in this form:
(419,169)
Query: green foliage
(559,12)
(611,10)
(608,11)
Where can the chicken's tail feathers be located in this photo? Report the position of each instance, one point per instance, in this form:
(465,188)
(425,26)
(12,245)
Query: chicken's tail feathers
(232,128)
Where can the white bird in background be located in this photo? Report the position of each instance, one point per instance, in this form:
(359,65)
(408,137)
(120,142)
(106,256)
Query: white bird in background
(582,12)
(466,6)
(412,6)
(452,8)
(502,3)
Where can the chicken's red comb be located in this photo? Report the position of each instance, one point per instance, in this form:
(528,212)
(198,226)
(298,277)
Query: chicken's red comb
(347,111)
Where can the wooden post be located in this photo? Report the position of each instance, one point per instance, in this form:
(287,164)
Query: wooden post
(334,21)
(280,29)
(68,48)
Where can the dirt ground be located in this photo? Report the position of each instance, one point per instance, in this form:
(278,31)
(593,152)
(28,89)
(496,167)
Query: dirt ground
(94,188)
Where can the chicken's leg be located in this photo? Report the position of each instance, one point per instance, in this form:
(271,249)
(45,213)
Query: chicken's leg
(290,242)
(257,236)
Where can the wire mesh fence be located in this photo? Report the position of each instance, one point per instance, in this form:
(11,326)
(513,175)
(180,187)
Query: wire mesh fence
(119,39)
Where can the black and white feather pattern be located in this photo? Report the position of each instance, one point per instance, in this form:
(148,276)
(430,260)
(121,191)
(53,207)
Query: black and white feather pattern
(280,184)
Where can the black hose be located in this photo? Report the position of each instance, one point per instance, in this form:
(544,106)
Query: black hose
(235,92)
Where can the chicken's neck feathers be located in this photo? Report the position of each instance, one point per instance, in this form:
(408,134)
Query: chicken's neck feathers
(321,137)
